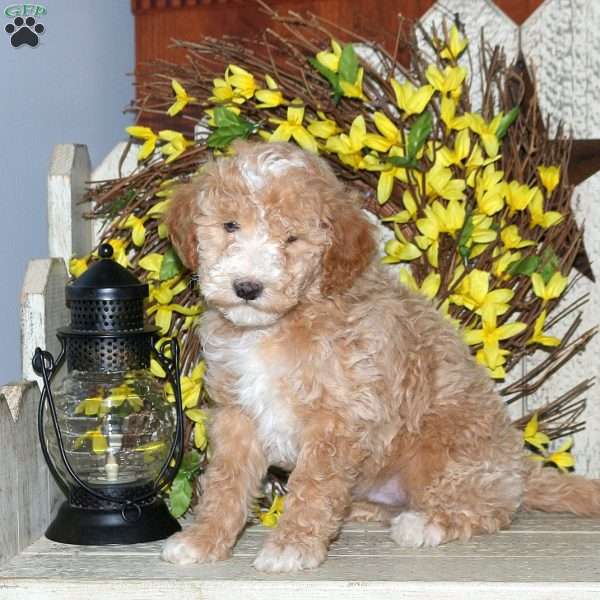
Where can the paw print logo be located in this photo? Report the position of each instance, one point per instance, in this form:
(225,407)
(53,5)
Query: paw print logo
(24,31)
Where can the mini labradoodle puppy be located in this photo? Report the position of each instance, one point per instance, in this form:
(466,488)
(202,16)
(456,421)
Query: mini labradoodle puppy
(320,364)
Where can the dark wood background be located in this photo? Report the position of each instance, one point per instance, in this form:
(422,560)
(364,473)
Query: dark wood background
(159,21)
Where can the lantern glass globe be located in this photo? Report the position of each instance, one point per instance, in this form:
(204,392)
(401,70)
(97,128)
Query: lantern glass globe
(116,427)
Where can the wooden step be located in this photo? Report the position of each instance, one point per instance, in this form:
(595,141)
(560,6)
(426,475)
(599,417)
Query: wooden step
(540,557)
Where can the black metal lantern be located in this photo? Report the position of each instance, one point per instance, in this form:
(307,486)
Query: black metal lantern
(111,439)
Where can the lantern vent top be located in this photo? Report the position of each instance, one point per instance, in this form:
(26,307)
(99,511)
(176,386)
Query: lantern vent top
(106,280)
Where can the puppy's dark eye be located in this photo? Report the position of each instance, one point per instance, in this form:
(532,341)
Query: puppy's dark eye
(291,239)
(231,226)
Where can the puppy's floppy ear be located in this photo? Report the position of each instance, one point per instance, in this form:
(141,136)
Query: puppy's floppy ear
(352,246)
(179,220)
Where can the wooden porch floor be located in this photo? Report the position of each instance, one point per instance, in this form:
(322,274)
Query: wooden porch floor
(541,557)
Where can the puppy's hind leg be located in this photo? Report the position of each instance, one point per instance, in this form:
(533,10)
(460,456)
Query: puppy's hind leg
(463,502)
(231,481)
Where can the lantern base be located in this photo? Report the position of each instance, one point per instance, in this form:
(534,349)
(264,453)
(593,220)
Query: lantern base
(90,527)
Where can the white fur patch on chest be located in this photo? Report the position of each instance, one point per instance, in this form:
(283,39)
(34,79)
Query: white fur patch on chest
(257,393)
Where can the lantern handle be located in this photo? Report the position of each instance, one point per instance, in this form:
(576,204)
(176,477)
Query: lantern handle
(173,372)
(45,366)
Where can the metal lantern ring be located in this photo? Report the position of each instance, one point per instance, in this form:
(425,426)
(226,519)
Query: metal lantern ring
(108,343)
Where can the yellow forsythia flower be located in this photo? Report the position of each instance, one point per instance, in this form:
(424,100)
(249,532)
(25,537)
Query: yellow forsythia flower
(455,45)
(331,60)
(538,336)
(550,177)
(511,238)
(448,114)
(199,417)
(474,293)
(550,291)
(354,89)
(489,190)
(292,128)
(486,131)
(539,216)
(447,82)
(242,82)
(181,98)
(323,128)
(149,137)
(410,99)
(562,456)
(400,249)
(518,195)
(533,436)
(120,252)
(138,230)
(390,134)
(78,266)
(270,518)
(348,146)
(271,97)
(223,92)
(175,146)
(430,286)
(490,333)
(191,386)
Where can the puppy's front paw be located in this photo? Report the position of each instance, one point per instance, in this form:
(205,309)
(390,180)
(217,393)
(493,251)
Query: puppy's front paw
(411,530)
(288,558)
(192,546)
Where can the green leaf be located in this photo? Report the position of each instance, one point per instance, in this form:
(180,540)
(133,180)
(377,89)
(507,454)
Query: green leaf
(348,68)
(402,161)
(507,120)
(229,127)
(190,464)
(331,76)
(226,118)
(180,495)
(464,252)
(550,264)
(463,238)
(418,134)
(525,266)
(171,265)
(223,136)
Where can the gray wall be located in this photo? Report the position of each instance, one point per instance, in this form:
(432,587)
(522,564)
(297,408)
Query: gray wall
(71,88)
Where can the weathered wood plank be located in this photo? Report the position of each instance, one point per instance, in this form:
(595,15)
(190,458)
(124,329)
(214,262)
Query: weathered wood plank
(68,232)
(28,495)
(542,557)
(363,578)
(43,309)
(60,589)
(9,531)
(37,494)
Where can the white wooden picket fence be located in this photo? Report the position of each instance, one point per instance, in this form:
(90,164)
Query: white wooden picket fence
(541,557)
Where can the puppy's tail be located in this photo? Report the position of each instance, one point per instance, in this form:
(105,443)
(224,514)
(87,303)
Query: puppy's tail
(550,490)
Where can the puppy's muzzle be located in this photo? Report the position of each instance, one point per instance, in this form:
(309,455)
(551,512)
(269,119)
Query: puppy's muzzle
(247,289)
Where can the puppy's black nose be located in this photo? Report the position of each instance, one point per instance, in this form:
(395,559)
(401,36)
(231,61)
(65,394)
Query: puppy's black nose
(247,289)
